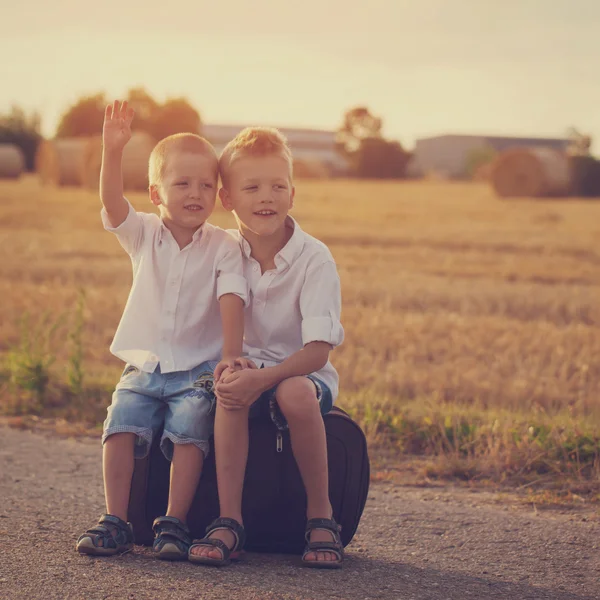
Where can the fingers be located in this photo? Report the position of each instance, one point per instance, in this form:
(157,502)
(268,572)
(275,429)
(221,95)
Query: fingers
(245,363)
(119,110)
(219,369)
(230,404)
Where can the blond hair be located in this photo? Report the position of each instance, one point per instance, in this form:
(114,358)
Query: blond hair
(255,141)
(184,142)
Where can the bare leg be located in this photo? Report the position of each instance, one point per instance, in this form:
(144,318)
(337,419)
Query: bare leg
(117,465)
(298,401)
(231,454)
(186,468)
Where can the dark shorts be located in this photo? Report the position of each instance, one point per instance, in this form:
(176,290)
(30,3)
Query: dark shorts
(266,405)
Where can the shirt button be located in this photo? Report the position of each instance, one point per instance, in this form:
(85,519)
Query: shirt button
(255,268)
(258,302)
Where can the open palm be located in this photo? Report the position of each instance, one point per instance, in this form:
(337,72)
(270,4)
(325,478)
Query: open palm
(116,131)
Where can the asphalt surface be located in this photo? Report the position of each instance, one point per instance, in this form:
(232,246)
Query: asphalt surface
(413,543)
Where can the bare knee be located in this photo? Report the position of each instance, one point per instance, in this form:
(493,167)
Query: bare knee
(297,398)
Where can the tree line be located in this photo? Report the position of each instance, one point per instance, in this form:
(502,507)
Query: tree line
(359,137)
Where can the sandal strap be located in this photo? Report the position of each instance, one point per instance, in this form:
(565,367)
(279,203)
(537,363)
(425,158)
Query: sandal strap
(116,521)
(327,524)
(114,532)
(214,543)
(231,525)
(322,547)
(173,527)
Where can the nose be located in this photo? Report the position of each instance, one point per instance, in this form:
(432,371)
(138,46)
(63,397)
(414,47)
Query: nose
(197,190)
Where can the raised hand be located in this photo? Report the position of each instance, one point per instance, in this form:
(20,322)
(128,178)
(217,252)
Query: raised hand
(116,131)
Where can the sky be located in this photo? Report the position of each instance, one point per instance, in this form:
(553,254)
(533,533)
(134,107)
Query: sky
(427,67)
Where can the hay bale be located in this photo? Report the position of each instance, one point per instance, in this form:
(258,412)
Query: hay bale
(60,161)
(135,161)
(306,168)
(533,172)
(12,161)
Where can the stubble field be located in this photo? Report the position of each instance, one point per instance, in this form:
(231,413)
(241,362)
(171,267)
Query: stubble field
(472,323)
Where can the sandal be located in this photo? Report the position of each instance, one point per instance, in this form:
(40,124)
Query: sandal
(116,536)
(228,554)
(335,547)
(172,538)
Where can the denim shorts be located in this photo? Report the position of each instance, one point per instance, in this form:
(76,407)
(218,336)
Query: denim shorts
(266,405)
(183,402)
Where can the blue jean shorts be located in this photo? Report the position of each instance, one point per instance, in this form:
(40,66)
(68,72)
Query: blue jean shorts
(183,402)
(266,405)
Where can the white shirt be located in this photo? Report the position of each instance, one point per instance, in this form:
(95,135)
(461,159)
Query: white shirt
(172,316)
(296,303)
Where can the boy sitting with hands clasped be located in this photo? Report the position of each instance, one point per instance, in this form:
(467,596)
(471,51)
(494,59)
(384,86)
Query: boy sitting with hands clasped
(291,325)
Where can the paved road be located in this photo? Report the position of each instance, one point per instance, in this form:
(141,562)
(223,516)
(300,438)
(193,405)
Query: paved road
(413,543)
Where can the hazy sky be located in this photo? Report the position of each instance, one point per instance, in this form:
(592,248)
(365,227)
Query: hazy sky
(425,66)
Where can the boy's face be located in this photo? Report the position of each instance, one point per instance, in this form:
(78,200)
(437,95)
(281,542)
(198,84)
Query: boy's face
(260,192)
(188,190)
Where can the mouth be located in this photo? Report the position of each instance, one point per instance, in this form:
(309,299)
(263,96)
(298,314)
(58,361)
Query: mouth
(265,213)
(193,207)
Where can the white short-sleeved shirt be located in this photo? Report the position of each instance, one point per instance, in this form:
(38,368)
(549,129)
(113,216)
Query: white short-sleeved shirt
(172,316)
(296,303)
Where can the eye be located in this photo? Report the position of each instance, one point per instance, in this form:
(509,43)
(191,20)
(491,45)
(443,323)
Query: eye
(250,188)
(181,183)
(207,186)
(280,186)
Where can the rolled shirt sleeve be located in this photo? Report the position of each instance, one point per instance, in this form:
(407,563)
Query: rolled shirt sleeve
(130,232)
(230,273)
(321,304)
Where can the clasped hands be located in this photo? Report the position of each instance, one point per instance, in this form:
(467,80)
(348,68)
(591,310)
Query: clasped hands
(238,383)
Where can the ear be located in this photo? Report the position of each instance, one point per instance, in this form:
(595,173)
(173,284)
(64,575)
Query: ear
(292,195)
(155,195)
(225,199)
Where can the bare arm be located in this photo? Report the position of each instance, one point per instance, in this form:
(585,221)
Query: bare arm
(232,318)
(116,132)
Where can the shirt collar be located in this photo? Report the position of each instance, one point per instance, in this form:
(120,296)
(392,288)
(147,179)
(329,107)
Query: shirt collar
(164,230)
(290,252)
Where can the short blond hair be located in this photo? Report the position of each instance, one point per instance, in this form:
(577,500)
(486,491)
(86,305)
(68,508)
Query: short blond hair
(184,142)
(255,141)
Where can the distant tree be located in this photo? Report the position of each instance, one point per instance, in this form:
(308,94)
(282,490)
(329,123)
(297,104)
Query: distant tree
(369,154)
(146,109)
(84,118)
(358,124)
(380,159)
(175,116)
(579,144)
(22,130)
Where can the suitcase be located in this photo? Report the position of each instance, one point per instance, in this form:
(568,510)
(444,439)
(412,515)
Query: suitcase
(274,500)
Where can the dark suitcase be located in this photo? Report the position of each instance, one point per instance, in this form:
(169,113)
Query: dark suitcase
(274,500)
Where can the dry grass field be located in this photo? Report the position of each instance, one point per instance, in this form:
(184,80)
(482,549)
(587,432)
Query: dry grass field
(472,324)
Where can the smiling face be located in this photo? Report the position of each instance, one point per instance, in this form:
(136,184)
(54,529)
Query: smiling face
(259,190)
(187,191)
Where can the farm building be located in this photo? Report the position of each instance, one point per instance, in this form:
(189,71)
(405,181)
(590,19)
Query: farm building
(308,145)
(450,155)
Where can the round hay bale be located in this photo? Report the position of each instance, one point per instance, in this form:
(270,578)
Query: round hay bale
(533,172)
(305,168)
(12,161)
(136,157)
(60,161)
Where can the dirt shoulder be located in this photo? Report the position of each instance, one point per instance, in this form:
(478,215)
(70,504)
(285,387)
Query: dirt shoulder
(413,543)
